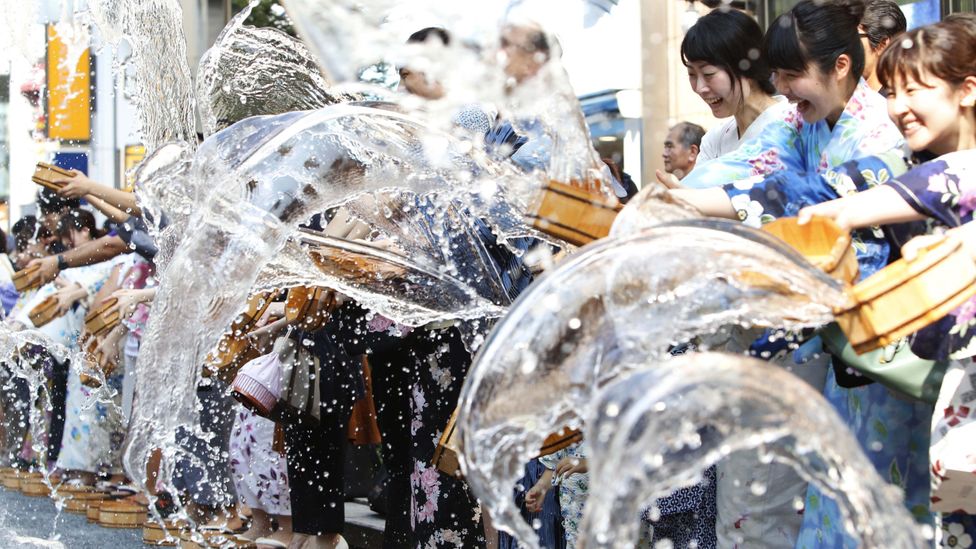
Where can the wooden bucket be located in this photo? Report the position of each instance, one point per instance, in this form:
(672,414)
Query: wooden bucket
(213,539)
(32,484)
(907,296)
(26,278)
(574,214)
(446,455)
(235,348)
(309,308)
(153,533)
(93,509)
(44,175)
(100,321)
(122,514)
(557,441)
(78,502)
(87,379)
(44,312)
(821,242)
(11,480)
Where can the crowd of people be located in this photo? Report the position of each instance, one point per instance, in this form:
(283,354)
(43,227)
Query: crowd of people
(837,111)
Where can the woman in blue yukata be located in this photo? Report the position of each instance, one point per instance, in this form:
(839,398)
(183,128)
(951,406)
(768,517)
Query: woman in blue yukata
(817,59)
(932,79)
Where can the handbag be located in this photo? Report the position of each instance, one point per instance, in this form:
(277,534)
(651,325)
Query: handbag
(895,366)
(282,385)
(951,450)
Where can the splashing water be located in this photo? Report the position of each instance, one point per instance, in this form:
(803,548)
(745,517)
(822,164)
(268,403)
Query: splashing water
(271,174)
(154,31)
(608,311)
(657,430)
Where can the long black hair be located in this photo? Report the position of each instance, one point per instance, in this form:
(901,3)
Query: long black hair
(816,32)
(732,41)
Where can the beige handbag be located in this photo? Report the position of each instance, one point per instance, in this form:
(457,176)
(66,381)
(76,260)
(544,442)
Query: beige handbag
(300,396)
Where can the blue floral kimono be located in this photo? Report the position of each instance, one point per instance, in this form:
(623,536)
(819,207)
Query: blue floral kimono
(893,432)
(791,144)
(944,189)
(813,163)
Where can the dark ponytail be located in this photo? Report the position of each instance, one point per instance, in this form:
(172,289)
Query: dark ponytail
(732,41)
(816,32)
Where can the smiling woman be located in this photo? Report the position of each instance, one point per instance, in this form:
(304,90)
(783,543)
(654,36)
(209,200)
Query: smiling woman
(726,68)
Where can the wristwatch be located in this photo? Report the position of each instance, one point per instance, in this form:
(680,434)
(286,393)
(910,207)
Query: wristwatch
(62,264)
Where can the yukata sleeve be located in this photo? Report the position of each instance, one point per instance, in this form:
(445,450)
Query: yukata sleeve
(776,149)
(933,191)
(783,194)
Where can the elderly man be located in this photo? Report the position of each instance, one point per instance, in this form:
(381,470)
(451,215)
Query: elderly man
(681,149)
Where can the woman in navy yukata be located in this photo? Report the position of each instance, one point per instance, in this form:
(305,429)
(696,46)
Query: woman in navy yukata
(932,78)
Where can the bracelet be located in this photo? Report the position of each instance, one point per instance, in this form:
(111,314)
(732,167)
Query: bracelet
(62,264)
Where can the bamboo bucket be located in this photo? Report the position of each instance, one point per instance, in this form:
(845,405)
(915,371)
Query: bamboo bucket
(44,175)
(821,242)
(573,214)
(44,312)
(907,296)
(122,514)
(100,321)
(446,457)
(26,278)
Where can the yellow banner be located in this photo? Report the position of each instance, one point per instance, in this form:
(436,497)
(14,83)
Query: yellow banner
(68,90)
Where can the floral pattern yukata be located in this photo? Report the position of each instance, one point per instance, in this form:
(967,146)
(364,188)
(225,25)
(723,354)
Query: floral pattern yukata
(260,473)
(813,163)
(944,189)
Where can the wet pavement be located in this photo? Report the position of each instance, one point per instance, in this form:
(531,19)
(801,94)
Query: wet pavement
(34,522)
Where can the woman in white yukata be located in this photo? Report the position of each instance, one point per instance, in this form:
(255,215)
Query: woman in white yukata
(722,53)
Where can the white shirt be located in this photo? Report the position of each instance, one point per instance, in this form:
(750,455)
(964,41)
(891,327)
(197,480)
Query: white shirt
(724,138)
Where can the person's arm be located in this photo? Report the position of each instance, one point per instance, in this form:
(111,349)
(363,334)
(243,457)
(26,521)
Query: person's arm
(78,185)
(710,202)
(89,253)
(877,206)
(110,211)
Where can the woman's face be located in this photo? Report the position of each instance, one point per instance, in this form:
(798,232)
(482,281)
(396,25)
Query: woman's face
(928,112)
(817,95)
(716,88)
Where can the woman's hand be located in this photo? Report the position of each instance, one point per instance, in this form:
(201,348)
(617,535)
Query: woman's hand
(275,310)
(77,185)
(68,296)
(537,494)
(835,210)
(109,348)
(571,466)
(128,300)
(964,234)
(668,180)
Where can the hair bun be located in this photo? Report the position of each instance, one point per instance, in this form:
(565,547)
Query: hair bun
(854,7)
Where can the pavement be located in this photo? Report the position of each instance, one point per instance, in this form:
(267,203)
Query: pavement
(34,523)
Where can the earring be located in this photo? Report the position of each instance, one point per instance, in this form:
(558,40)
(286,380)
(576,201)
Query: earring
(969,101)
